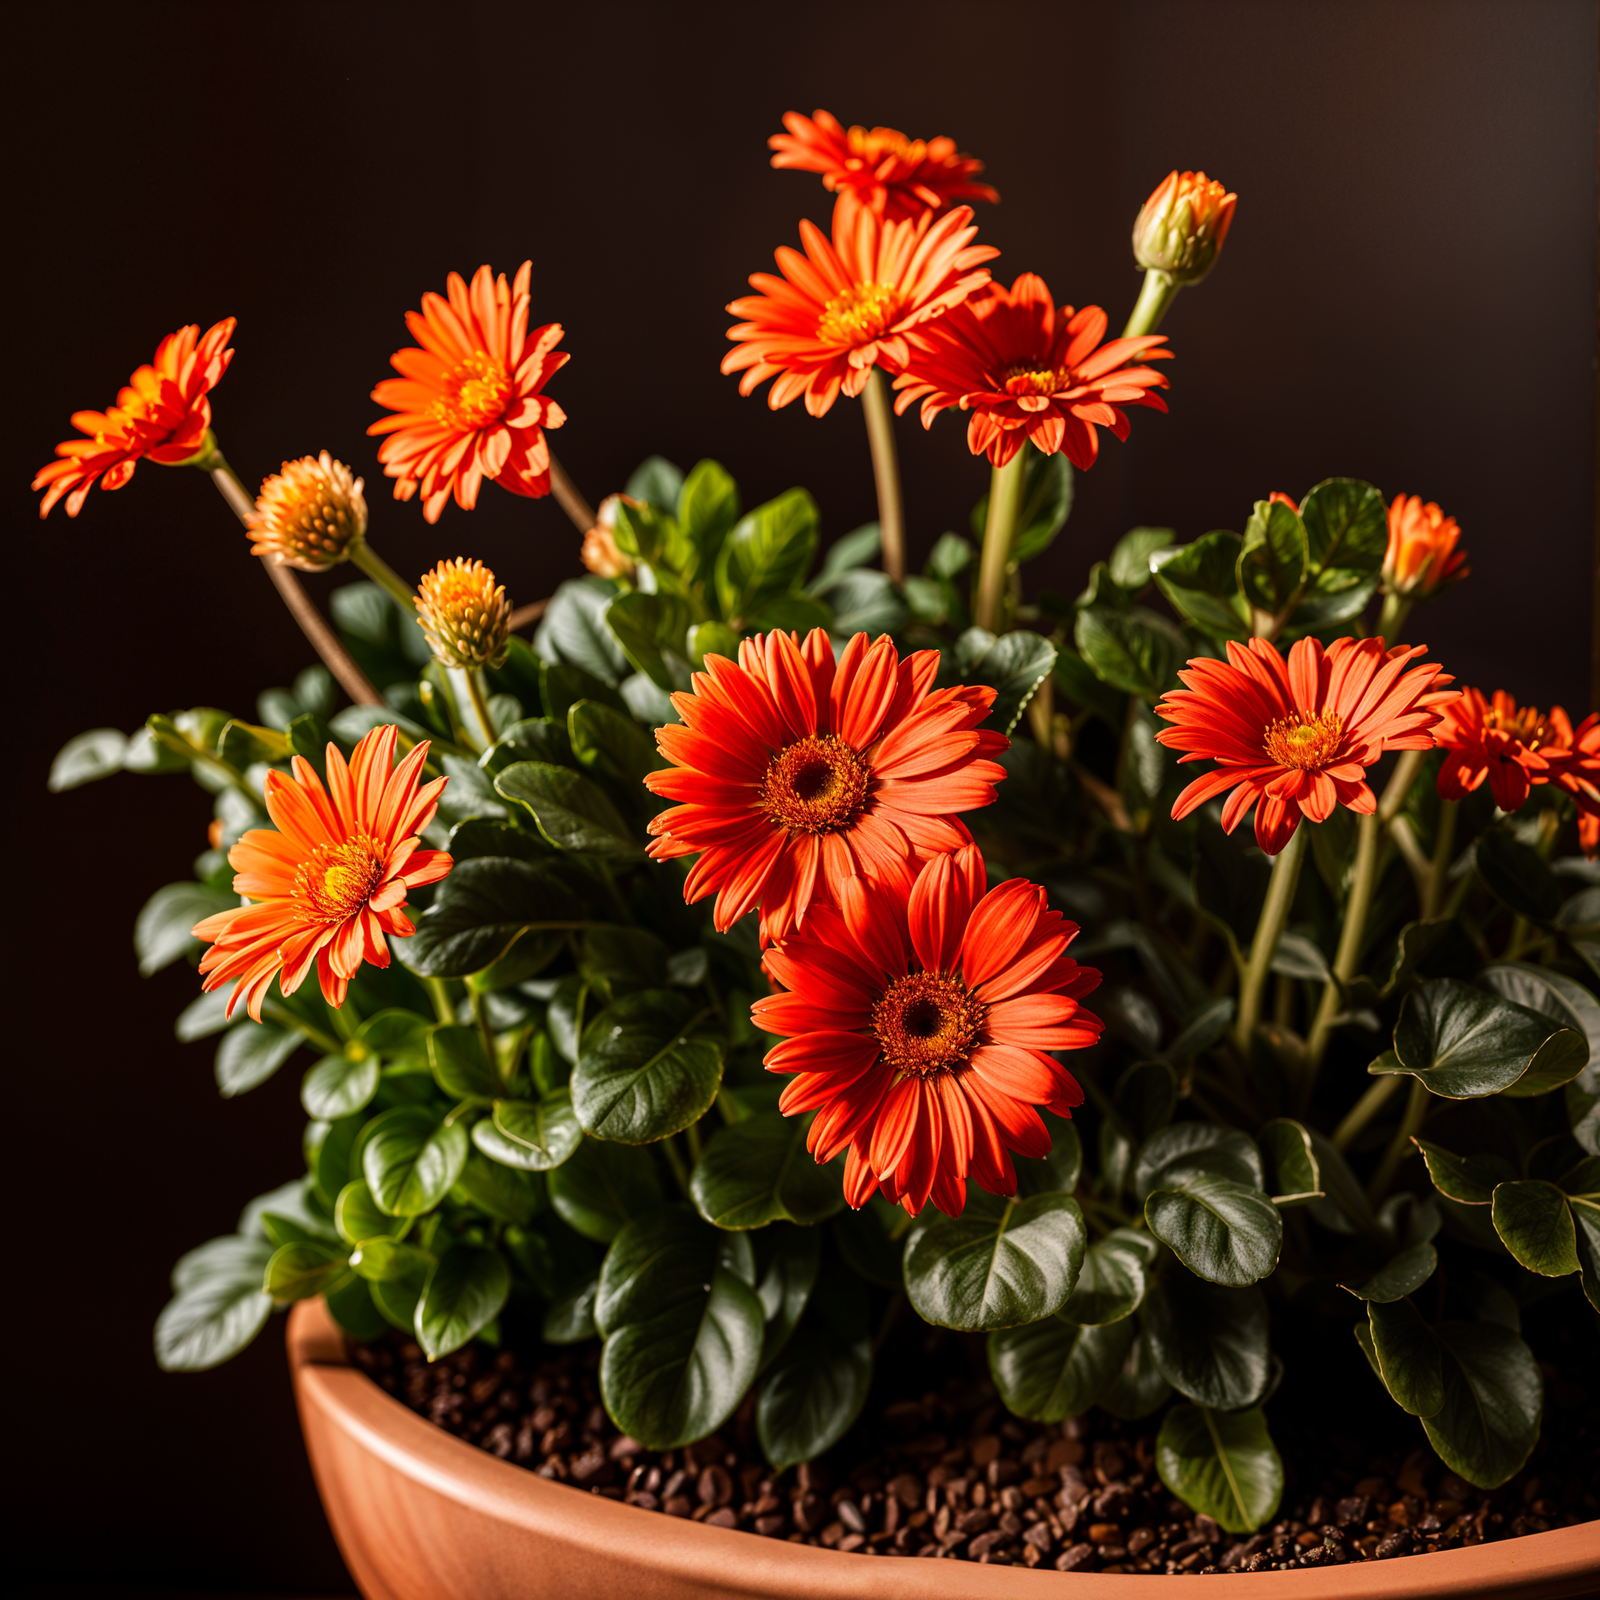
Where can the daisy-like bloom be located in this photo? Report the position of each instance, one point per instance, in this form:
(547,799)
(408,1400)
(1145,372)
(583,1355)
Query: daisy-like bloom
(1298,736)
(1181,228)
(467,403)
(879,168)
(1578,772)
(1514,747)
(163,414)
(331,881)
(311,515)
(600,552)
(465,614)
(794,774)
(917,1022)
(847,305)
(1422,556)
(1028,370)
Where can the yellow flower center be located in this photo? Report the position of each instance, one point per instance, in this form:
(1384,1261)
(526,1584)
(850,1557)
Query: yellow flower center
(927,1023)
(339,879)
(873,144)
(475,394)
(864,312)
(1023,377)
(1525,725)
(1309,743)
(816,785)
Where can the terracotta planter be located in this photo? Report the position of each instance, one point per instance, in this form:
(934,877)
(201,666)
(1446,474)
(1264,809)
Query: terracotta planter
(421,1515)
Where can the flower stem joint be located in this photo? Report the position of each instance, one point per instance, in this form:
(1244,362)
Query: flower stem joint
(1181,228)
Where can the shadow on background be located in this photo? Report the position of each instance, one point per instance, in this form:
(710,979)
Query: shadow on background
(1408,295)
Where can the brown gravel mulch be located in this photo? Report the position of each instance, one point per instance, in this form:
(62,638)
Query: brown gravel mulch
(954,1475)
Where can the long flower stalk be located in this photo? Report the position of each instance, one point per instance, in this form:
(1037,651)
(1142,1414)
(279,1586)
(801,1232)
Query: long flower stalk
(1156,295)
(1443,852)
(886,474)
(1274,914)
(567,497)
(384,575)
(999,532)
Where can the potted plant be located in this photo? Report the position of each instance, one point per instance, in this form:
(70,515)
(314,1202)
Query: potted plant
(702,992)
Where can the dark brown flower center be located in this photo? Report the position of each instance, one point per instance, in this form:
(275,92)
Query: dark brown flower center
(927,1023)
(816,785)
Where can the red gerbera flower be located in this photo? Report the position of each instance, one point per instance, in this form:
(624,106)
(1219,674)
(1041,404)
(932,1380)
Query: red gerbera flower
(1514,748)
(1298,736)
(796,774)
(1578,772)
(918,1020)
(879,168)
(332,881)
(844,307)
(1028,370)
(467,403)
(163,414)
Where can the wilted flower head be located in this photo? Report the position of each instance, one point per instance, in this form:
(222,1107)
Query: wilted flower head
(1422,556)
(464,613)
(600,553)
(311,515)
(1181,228)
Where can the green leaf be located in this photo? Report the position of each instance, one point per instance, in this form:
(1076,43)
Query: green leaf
(484,907)
(1535,1222)
(570,1319)
(1201,580)
(1055,1173)
(334,1162)
(305,1268)
(785,1284)
(205,1015)
(605,741)
(1225,1231)
(871,1244)
(1186,1148)
(530,1135)
(1408,1356)
(464,1293)
(1493,1398)
(1056,1368)
(848,554)
(234,1258)
(561,686)
(656,482)
(645,625)
(352,1307)
(1293,1176)
(1209,1342)
(250,1053)
(766,554)
(574,630)
(1000,1263)
(1230,881)
(758,1171)
(1567,1004)
(1205,1027)
(1469,1179)
(339,1087)
(358,1217)
(818,1385)
(1130,557)
(205,1325)
(1014,665)
(1403,1274)
(1222,1464)
(95,754)
(1137,651)
(603,1186)
(571,811)
(1274,557)
(458,1063)
(1463,1044)
(641,1074)
(532,739)
(498,1191)
(708,507)
(712,639)
(682,1330)
(412,1160)
(1111,1285)
(1517,876)
(1347,529)
(620,960)
(161,932)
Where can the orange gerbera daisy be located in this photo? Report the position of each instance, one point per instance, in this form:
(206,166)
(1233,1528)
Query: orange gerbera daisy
(467,403)
(844,307)
(918,1020)
(1298,736)
(1514,748)
(795,774)
(163,414)
(1027,370)
(332,881)
(1578,772)
(1422,556)
(1181,228)
(879,168)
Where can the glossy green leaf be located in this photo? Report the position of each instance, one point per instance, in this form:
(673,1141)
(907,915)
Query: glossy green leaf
(1013,665)
(1488,1424)
(605,741)
(1408,1356)
(502,1193)
(1226,1232)
(411,1160)
(570,1319)
(1111,1284)
(210,1323)
(298,1271)
(766,554)
(249,1054)
(161,932)
(758,1171)
(339,1087)
(1222,1464)
(657,482)
(530,1135)
(1209,1342)
(1130,557)
(1564,1002)
(1138,1389)
(1046,501)
(1403,1274)
(1000,1263)
(646,625)
(484,907)
(1274,557)
(351,1305)
(571,811)
(358,1216)
(1469,1179)
(1205,1027)
(1347,530)
(1535,1222)
(573,630)
(531,739)
(1137,651)
(1056,1368)
(872,1243)
(1055,1173)
(381,1260)
(1293,1176)
(234,1258)
(1186,1148)
(1201,580)
(642,1072)
(788,1275)
(95,754)
(464,1293)
(602,1186)
(1517,876)
(682,1330)
(459,1065)
(818,1385)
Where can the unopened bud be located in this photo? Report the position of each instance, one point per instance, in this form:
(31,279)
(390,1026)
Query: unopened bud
(1182,226)
(600,552)
(465,614)
(311,515)
(1422,556)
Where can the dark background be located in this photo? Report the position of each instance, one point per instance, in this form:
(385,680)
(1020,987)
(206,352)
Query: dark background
(1408,295)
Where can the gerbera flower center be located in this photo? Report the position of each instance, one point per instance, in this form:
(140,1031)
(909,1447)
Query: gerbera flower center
(1026,377)
(339,879)
(1305,742)
(873,144)
(927,1023)
(816,785)
(862,313)
(1525,725)
(475,394)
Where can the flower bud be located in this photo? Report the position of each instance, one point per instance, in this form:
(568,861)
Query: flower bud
(311,515)
(1422,556)
(465,615)
(600,552)
(1182,226)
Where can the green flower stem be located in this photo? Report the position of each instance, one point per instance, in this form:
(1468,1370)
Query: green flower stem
(1365,1109)
(1443,852)
(1396,608)
(886,474)
(692,1134)
(1155,296)
(1348,954)
(480,704)
(285,1018)
(999,531)
(1400,1145)
(480,1015)
(384,575)
(324,640)
(669,1148)
(1274,914)
(442,1008)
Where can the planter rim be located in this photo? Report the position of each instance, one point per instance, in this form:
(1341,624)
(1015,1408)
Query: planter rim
(730,1561)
